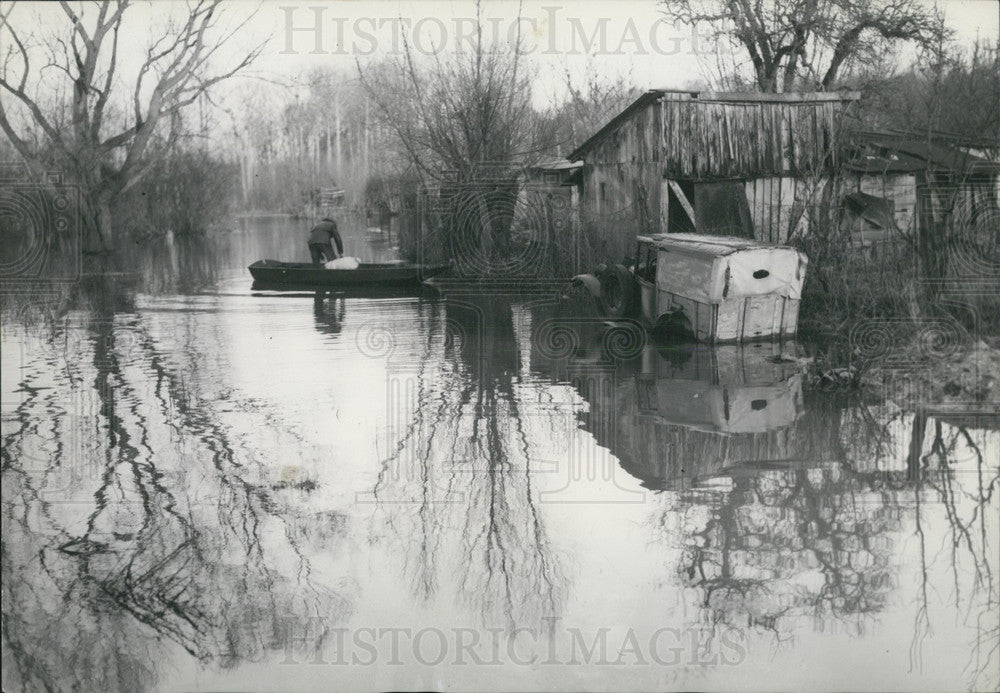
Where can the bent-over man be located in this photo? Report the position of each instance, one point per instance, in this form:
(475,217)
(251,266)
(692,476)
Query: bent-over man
(322,239)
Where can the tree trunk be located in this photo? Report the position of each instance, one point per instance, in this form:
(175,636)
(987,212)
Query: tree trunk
(366,137)
(340,153)
(100,235)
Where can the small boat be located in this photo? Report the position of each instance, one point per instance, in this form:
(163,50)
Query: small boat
(275,273)
(287,290)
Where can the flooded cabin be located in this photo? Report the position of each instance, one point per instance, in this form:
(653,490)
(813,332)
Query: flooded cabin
(716,163)
(769,166)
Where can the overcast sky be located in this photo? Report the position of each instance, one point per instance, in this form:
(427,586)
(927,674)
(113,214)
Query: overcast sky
(620,38)
(626,39)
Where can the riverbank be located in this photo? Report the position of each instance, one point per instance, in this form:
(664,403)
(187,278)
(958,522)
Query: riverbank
(968,380)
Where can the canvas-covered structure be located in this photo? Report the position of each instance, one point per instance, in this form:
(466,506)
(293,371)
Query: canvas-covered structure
(722,289)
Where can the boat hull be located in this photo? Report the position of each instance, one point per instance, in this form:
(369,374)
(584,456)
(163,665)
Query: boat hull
(275,273)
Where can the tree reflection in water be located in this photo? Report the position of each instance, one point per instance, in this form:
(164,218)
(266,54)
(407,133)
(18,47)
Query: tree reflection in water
(805,518)
(134,518)
(958,482)
(772,549)
(457,487)
(140,517)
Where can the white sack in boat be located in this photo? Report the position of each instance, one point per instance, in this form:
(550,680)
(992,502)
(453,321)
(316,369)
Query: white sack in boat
(343,263)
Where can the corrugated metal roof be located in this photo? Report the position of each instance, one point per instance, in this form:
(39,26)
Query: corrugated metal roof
(883,164)
(954,138)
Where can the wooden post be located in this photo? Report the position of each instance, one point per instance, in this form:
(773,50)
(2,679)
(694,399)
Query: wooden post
(913,459)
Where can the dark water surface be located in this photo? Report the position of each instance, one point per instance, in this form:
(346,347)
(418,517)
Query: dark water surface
(208,488)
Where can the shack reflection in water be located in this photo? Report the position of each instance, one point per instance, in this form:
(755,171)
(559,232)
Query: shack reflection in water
(206,487)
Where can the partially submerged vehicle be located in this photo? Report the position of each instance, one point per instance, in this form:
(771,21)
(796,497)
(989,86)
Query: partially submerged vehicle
(713,288)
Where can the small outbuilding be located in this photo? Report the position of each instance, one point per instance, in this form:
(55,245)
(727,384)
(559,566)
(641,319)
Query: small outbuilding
(926,177)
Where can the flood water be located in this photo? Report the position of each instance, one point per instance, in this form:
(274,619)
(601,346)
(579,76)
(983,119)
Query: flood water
(210,488)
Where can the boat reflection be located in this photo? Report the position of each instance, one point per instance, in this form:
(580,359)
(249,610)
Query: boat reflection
(329,312)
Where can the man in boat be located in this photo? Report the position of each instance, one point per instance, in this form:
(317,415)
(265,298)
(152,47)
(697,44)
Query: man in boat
(322,239)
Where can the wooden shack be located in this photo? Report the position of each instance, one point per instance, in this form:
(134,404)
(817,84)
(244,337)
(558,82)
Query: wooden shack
(925,176)
(710,162)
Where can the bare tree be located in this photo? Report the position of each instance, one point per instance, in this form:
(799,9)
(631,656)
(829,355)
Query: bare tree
(105,151)
(812,40)
(460,114)
(467,125)
(952,89)
(590,103)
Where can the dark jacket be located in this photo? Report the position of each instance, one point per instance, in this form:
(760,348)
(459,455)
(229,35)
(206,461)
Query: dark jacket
(326,232)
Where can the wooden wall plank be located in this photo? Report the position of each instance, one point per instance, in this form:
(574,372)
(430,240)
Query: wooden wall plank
(693,138)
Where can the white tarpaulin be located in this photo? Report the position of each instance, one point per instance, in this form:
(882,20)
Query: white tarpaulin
(765,271)
(710,269)
(343,263)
